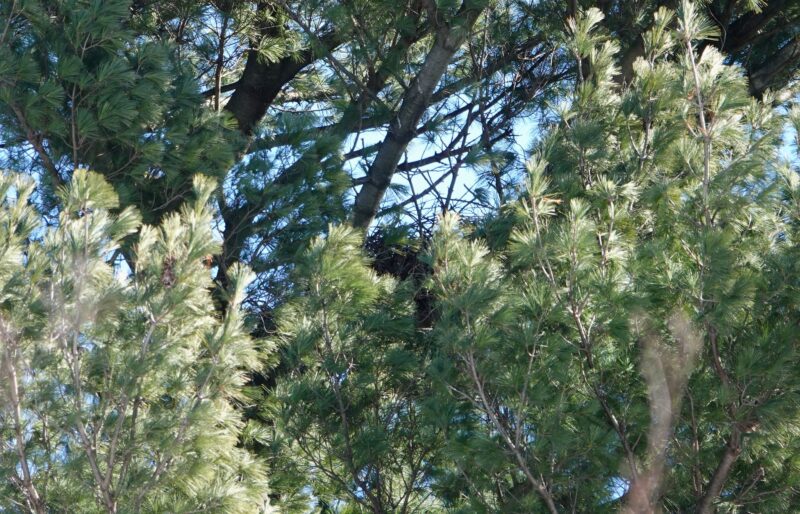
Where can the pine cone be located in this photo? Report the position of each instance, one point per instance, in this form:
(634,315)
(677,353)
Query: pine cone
(168,277)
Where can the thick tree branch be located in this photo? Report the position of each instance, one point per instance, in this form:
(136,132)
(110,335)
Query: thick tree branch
(238,226)
(261,81)
(416,100)
(780,65)
(37,141)
(729,457)
(222,89)
(745,29)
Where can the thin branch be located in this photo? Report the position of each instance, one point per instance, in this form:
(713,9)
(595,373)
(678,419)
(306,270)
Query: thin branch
(489,409)
(32,498)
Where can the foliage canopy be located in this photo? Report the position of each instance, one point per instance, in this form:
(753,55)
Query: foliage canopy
(508,256)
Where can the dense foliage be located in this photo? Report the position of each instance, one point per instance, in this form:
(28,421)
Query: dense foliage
(630,330)
(317,111)
(509,256)
(118,389)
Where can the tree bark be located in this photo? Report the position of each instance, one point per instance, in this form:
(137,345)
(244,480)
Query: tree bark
(782,64)
(262,81)
(402,128)
(729,457)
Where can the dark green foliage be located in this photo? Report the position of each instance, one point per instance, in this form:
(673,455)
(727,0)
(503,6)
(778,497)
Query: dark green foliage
(350,414)
(83,90)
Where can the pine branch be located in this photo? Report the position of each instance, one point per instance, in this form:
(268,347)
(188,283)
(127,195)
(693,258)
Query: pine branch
(447,42)
(9,360)
(489,409)
(729,457)
(261,82)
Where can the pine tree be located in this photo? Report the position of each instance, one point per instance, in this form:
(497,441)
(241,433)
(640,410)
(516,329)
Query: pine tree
(620,335)
(119,388)
(289,103)
(622,338)
(349,416)
(82,88)
(631,335)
